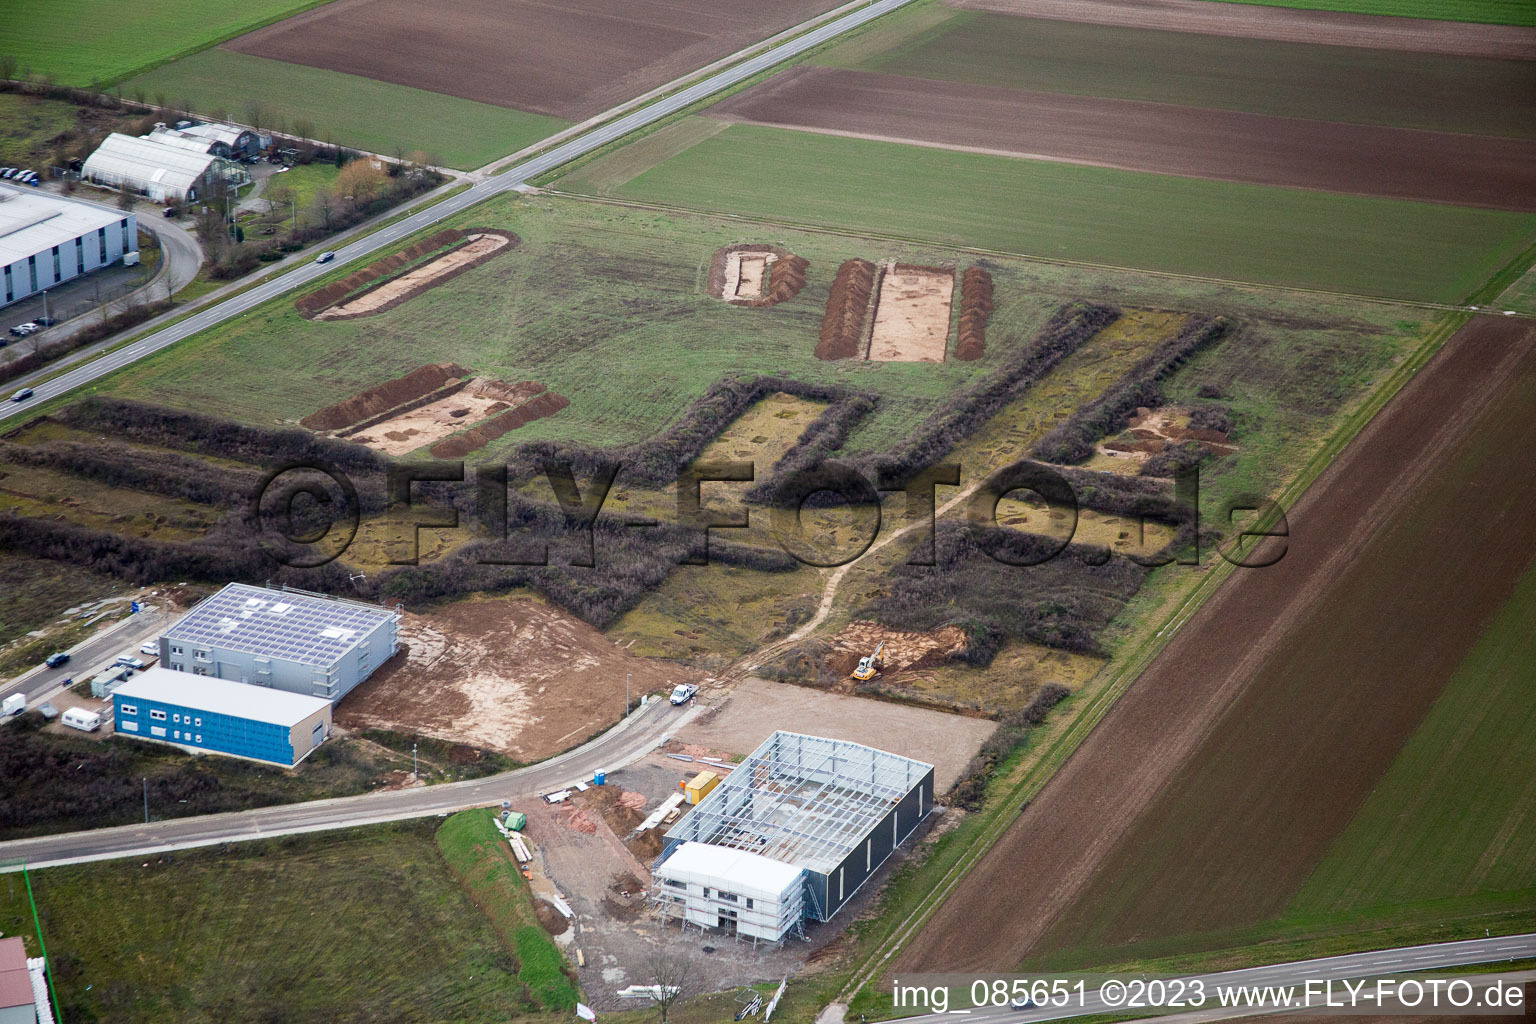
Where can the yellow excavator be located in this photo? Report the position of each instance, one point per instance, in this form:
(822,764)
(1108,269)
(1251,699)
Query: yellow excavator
(869,666)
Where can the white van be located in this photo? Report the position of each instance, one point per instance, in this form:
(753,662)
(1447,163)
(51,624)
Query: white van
(79,718)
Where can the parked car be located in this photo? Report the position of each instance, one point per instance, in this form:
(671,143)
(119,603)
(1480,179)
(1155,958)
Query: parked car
(325,257)
(35,181)
(22,395)
(1022,1003)
(8,172)
(22,330)
(129,661)
(56,659)
(683,693)
(46,321)
(150,648)
(169,211)
(24,175)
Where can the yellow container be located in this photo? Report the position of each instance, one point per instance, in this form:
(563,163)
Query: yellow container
(699,788)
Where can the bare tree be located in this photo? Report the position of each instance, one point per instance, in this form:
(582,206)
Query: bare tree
(124,197)
(7,66)
(669,973)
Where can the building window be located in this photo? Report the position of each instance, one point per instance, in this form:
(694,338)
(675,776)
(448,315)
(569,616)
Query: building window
(674,883)
(198,723)
(126,246)
(175,650)
(157,730)
(729,897)
(101,242)
(79,254)
(58,272)
(129,709)
(32,270)
(176,734)
(158,716)
(749,902)
(199,737)
(176,718)
(129,726)
(10,292)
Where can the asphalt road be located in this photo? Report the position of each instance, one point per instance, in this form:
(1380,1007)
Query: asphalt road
(88,657)
(1378,963)
(627,742)
(515,176)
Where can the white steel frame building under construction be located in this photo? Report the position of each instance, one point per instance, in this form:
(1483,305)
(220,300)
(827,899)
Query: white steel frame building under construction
(790,835)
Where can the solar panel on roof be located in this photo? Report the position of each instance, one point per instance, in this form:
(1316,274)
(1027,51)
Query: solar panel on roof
(314,631)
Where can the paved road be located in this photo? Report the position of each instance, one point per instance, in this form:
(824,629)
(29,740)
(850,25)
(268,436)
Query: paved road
(1337,968)
(87,657)
(627,742)
(512,178)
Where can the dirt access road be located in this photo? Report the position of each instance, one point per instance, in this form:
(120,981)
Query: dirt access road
(1229,145)
(565,58)
(1251,21)
(1368,527)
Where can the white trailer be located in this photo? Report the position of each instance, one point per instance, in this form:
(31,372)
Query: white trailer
(15,704)
(80,718)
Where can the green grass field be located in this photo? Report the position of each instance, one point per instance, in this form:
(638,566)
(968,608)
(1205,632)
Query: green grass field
(1494,12)
(1329,83)
(1453,818)
(351,110)
(80,42)
(361,925)
(1256,233)
(33,591)
(1521,295)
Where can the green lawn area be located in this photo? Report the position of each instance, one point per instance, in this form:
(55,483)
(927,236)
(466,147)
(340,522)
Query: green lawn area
(1269,235)
(361,925)
(1329,83)
(480,859)
(1495,12)
(306,181)
(1521,295)
(1454,817)
(348,109)
(80,42)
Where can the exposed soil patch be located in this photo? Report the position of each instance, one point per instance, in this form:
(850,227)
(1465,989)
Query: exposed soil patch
(1272,769)
(406,429)
(509,674)
(1280,23)
(334,292)
(377,400)
(567,58)
(901,650)
(550,919)
(756,275)
(912,314)
(1153,431)
(1229,145)
(976,307)
(842,328)
(477,247)
(546,404)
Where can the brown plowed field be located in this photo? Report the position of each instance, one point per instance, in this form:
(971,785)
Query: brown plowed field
(1214,786)
(566,58)
(1471,170)
(1280,23)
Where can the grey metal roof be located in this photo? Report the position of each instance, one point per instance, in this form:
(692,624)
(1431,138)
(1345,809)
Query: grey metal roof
(145,161)
(33,222)
(308,629)
(221,697)
(802,800)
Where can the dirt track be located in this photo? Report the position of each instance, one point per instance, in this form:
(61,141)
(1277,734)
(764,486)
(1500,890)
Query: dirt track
(1344,594)
(565,58)
(1280,23)
(1230,145)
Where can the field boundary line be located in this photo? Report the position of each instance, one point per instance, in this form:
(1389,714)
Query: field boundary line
(1063,746)
(875,236)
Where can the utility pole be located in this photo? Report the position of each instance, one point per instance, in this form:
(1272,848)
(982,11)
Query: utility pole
(146,800)
(415,768)
(626,693)
(45,304)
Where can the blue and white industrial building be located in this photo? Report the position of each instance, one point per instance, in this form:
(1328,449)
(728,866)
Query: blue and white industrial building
(46,240)
(789,836)
(287,639)
(200,714)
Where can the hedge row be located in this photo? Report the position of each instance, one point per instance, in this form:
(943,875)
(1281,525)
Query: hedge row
(1075,438)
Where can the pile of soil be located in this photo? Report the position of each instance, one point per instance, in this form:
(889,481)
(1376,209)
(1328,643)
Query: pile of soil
(418,383)
(550,919)
(975,309)
(786,275)
(842,328)
(460,445)
(334,292)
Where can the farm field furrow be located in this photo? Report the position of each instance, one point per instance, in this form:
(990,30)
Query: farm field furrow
(567,58)
(1270,235)
(378,117)
(1158,137)
(1437,92)
(1252,759)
